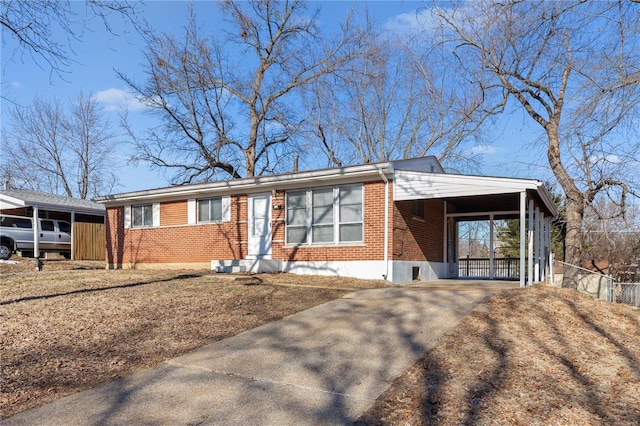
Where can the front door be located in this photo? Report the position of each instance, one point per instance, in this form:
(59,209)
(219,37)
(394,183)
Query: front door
(259,220)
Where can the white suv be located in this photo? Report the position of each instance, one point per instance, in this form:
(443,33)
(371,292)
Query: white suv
(16,233)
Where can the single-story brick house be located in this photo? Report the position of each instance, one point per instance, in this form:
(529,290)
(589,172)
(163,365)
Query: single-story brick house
(393,220)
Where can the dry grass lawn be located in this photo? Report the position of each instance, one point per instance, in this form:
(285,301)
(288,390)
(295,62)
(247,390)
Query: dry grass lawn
(540,356)
(72,326)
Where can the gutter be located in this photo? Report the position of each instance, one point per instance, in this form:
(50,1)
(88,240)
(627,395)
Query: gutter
(246,185)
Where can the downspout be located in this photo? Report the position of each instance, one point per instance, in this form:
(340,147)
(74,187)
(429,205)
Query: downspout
(386,223)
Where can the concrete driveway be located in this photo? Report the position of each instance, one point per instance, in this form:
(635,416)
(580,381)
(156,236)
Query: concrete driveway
(325,365)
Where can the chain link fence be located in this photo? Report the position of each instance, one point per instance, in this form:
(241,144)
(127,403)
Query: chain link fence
(628,293)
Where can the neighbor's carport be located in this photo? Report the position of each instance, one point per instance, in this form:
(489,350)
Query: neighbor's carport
(22,202)
(479,197)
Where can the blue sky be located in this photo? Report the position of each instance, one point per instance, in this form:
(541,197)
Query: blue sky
(100,52)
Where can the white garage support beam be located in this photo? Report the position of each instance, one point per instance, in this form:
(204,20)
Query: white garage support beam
(546,249)
(543,246)
(492,272)
(73,219)
(444,243)
(537,250)
(530,246)
(549,259)
(523,206)
(36,232)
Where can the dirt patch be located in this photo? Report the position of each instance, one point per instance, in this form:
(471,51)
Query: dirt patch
(67,329)
(540,356)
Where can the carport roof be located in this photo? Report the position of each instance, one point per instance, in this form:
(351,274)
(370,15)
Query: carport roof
(471,193)
(16,198)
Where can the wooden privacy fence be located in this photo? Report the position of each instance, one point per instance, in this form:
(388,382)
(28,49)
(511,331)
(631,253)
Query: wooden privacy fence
(89,241)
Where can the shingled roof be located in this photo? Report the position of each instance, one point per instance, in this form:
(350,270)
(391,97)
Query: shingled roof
(13,198)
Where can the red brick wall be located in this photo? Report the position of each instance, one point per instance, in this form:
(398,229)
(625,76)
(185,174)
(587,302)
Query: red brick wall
(173,213)
(371,249)
(176,242)
(418,239)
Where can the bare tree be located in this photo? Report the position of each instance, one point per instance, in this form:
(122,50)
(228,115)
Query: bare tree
(574,67)
(401,98)
(229,102)
(611,237)
(33,23)
(62,152)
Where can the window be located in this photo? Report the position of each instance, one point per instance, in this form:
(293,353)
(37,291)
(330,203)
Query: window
(142,215)
(210,210)
(350,213)
(417,209)
(297,217)
(325,215)
(65,227)
(16,222)
(322,216)
(47,225)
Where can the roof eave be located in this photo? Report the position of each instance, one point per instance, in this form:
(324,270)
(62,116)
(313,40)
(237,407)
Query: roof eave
(250,185)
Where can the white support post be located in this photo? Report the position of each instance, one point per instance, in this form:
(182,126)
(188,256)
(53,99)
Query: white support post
(530,246)
(543,245)
(549,258)
(523,206)
(537,244)
(492,273)
(36,232)
(73,219)
(444,243)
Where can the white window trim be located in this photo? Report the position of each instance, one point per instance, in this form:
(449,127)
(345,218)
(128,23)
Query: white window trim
(192,213)
(128,216)
(336,219)
(156,214)
(192,210)
(226,209)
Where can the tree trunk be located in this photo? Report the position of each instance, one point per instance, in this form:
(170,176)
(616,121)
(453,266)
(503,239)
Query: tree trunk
(574,206)
(573,242)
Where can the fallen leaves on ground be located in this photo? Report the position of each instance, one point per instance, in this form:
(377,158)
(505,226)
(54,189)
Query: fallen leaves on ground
(538,356)
(66,330)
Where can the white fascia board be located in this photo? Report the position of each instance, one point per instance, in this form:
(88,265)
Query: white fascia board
(318,178)
(7,202)
(415,185)
(11,203)
(547,199)
(69,209)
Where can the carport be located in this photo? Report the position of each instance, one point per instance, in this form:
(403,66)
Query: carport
(22,202)
(492,198)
